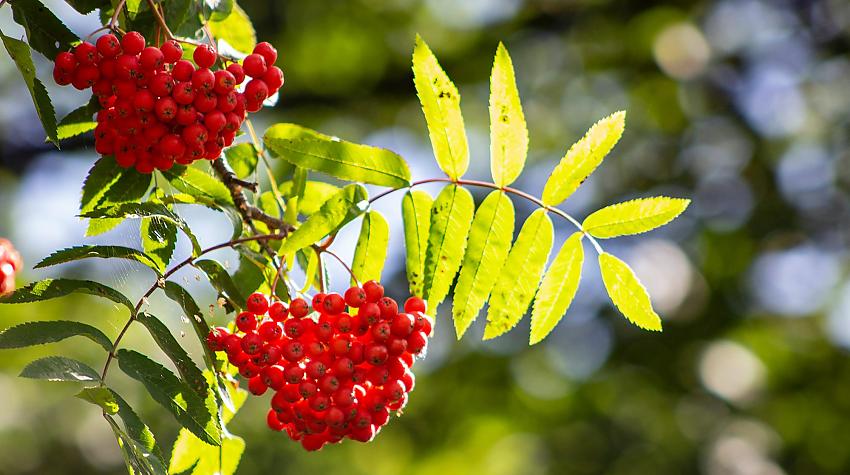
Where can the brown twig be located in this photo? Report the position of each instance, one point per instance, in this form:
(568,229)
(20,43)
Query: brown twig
(248,211)
(323,250)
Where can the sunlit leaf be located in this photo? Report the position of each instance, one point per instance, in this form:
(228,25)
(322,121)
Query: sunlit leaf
(451,217)
(236,29)
(39,333)
(508,131)
(78,121)
(416,215)
(583,158)
(100,396)
(518,280)
(338,158)
(441,104)
(313,197)
(370,253)
(59,368)
(627,293)
(242,158)
(486,250)
(192,311)
(558,288)
(634,217)
(159,237)
(338,210)
(193,181)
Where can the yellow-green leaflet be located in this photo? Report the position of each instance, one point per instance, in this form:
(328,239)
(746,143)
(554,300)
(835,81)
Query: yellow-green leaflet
(451,216)
(634,217)
(339,209)
(508,131)
(314,196)
(416,215)
(441,104)
(627,293)
(583,157)
(520,275)
(486,251)
(236,29)
(558,288)
(371,251)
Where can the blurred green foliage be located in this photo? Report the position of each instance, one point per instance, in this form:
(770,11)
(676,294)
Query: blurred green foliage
(742,105)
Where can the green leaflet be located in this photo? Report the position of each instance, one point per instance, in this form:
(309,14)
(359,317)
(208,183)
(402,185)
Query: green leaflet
(441,105)
(195,182)
(46,33)
(138,459)
(242,158)
(159,237)
(520,276)
(371,250)
(20,53)
(54,288)
(558,288)
(178,294)
(99,396)
(338,210)
(416,215)
(146,210)
(221,281)
(107,184)
(451,217)
(59,368)
(314,195)
(634,217)
(338,158)
(508,131)
(236,29)
(88,6)
(103,252)
(583,158)
(196,414)
(187,368)
(39,333)
(627,293)
(78,121)
(486,251)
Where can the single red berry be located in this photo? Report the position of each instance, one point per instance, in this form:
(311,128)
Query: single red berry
(205,101)
(195,134)
(414,304)
(66,62)
(278,311)
(402,324)
(375,353)
(61,78)
(307,389)
(203,80)
(270,330)
(127,67)
(257,386)
(333,304)
(143,101)
(108,46)
(204,56)
(423,323)
(216,337)
(257,91)
(293,374)
(237,72)
(133,42)
(252,343)
(370,312)
(293,327)
(171,51)
(298,308)
(343,323)
(355,297)
(161,84)
(85,76)
(273,377)
(273,422)
(388,307)
(293,350)
(254,65)
(215,121)
(187,115)
(171,147)
(246,321)
(183,93)
(381,332)
(270,354)
(257,303)
(273,78)
(224,82)
(182,70)
(85,53)
(396,345)
(374,291)
(151,58)
(267,51)
(417,342)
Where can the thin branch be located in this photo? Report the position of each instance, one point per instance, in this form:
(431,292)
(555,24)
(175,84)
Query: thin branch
(248,211)
(323,250)
(161,283)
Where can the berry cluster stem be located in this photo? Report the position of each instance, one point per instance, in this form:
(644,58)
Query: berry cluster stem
(506,189)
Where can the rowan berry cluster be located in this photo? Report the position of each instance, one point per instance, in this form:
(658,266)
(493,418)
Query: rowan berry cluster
(10,263)
(159,109)
(335,373)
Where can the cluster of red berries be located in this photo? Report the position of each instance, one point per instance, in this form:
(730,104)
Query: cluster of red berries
(334,374)
(159,109)
(10,263)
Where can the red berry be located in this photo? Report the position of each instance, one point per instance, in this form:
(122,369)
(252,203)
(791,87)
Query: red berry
(374,291)
(171,51)
(85,76)
(423,322)
(293,350)
(402,324)
(278,311)
(333,304)
(85,53)
(108,46)
(161,84)
(143,101)
(246,321)
(252,343)
(257,386)
(273,78)
(273,422)
(257,303)
(417,342)
(376,354)
(205,101)
(254,65)
(355,297)
(215,121)
(204,56)
(270,331)
(388,307)
(151,58)
(133,43)
(195,134)
(257,91)
(237,72)
(127,67)
(298,308)
(182,70)
(66,62)
(183,93)
(187,115)
(414,304)
(171,147)
(203,80)
(267,51)
(224,82)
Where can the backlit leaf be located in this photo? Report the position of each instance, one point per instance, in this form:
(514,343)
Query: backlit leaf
(634,217)
(242,158)
(416,215)
(518,280)
(196,182)
(441,105)
(78,121)
(558,288)
(371,250)
(486,250)
(159,237)
(508,131)
(236,29)
(583,158)
(314,196)
(338,210)
(628,294)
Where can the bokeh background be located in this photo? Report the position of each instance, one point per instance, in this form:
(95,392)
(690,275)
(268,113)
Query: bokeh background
(741,105)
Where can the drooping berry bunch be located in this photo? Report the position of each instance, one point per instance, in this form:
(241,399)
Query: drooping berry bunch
(159,109)
(10,263)
(335,373)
